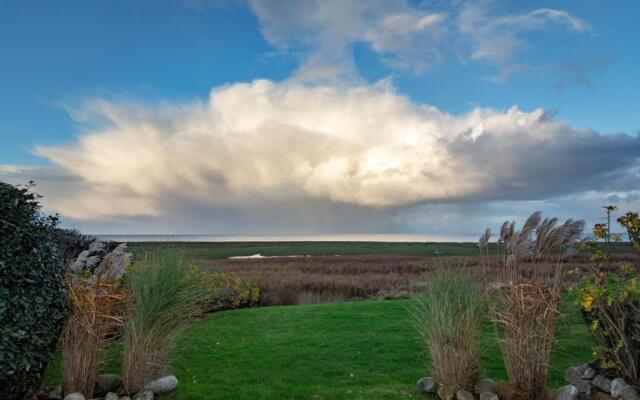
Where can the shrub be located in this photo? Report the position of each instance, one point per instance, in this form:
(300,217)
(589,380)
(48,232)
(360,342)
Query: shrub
(610,305)
(450,321)
(610,301)
(525,307)
(97,309)
(164,299)
(223,291)
(33,300)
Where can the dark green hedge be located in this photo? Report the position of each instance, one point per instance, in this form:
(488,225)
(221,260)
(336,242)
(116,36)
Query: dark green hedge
(33,299)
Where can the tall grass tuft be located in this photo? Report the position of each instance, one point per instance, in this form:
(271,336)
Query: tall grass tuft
(450,321)
(164,299)
(95,316)
(528,294)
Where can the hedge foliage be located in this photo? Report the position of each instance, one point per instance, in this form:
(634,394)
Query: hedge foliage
(33,298)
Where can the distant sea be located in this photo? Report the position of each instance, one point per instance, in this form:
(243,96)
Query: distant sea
(393,237)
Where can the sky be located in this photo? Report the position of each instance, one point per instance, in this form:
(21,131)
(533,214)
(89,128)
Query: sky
(334,116)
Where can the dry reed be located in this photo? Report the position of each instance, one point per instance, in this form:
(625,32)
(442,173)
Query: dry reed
(531,275)
(91,326)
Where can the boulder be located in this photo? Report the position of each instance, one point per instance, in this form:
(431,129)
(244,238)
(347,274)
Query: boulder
(164,385)
(629,393)
(486,385)
(106,383)
(144,395)
(489,396)
(568,392)
(111,396)
(464,395)
(74,396)
(446,392)
(603,383)
(618,385)
(576,375)
(115,264)
(428,385)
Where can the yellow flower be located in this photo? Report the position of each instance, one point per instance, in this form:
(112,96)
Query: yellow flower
(587,302)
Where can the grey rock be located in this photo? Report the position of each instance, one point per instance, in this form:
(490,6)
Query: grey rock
(97,246)
(602,383)
(115,264)
(74,396)
(111,396)
(618,385)
(489,396)
(144,395)
(575,375)
(588,372)
(446,392)
(428,385)
(464,395)
(164,385)
(568,392)
(106,383)
(485,385)
(629,393)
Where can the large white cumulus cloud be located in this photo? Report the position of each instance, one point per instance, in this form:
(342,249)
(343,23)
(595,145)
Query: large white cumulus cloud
(263,142)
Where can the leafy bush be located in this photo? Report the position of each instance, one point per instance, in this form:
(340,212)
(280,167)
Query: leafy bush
(450,321)
(610,305)
(222,291)
(33,300)
(610,301)
(164,299)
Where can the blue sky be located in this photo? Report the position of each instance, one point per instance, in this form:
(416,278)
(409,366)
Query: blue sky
(578,60)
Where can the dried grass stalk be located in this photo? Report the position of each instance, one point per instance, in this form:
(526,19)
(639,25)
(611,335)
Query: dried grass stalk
(96,314)
(527,296)
(450,321)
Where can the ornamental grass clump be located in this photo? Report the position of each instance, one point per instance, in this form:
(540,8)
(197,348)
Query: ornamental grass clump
(96,314)
(525,305)
(164,299)
(450,321)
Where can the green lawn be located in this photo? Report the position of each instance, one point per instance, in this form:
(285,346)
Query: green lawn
(351,350)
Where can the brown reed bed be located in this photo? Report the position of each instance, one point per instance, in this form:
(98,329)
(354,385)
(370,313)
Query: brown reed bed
(318,279)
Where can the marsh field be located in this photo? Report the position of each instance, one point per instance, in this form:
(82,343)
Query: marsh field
(319,272)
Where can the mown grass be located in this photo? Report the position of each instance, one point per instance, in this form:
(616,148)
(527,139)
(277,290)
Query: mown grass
(350,350)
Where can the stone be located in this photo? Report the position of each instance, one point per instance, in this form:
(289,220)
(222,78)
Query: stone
(629,393)
(428,385)
(603,383)
(106,383)
(111,396)
(74,396)
(485,385)
(509,391)
(489,396)
(144,395)
(446,392)
(115,264)
(576,375)
(464,395)
(164,385)
(617,386)
(601,396)
(92,263)
(568,392)
(97,246)
(125,398)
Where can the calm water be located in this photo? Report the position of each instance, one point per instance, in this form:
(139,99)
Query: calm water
(293,238)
